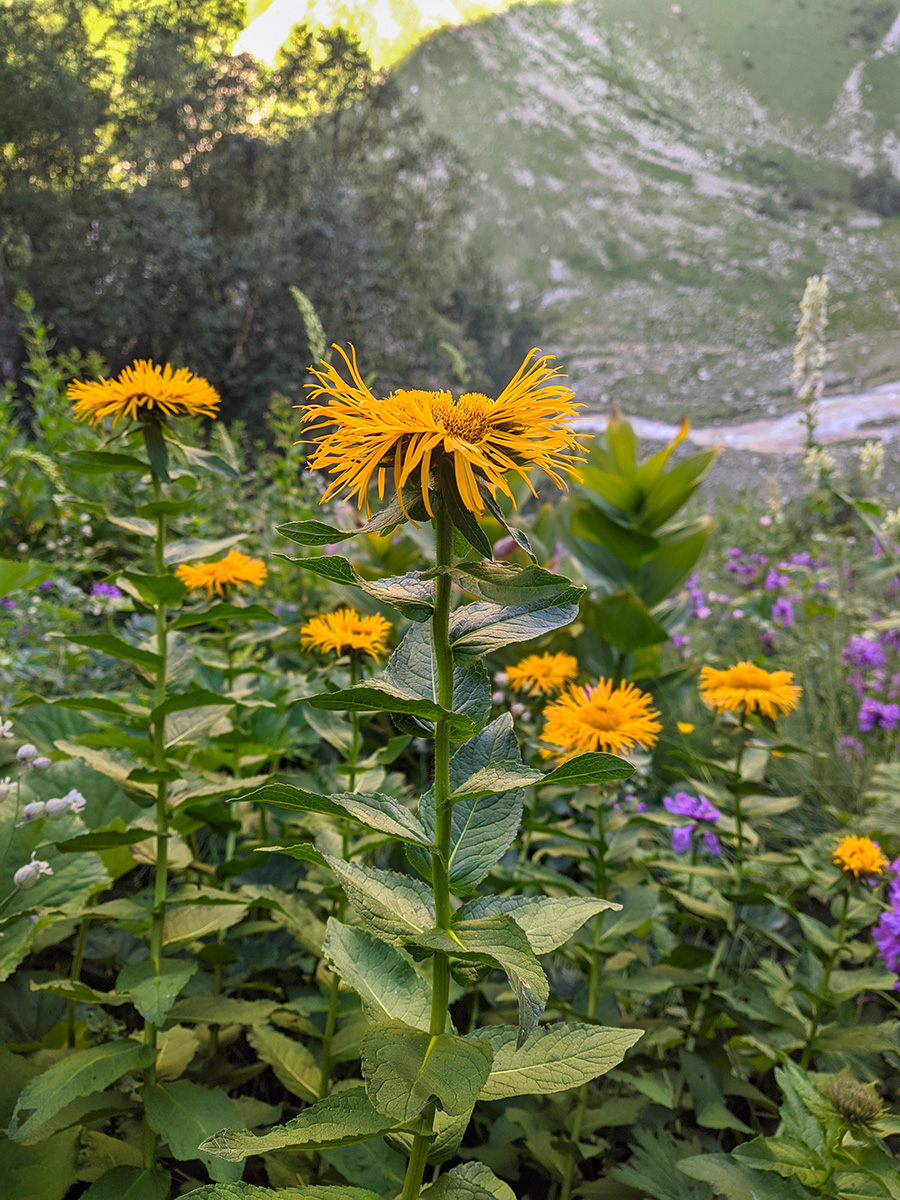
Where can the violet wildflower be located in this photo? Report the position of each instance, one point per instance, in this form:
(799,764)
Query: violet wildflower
(783,612)
(775,580)
(698,808)
(7,603)
(106,591)
(43,587)
(875,715)
(864,653)
(680,640)
(850,748)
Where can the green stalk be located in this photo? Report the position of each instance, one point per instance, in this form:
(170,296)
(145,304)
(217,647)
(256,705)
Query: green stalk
(440,859)
(738,814)
(822,998)
(74,976)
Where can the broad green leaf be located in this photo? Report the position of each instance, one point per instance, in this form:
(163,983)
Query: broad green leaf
(481,628)
(498,942)
(628,544)
(674,489)
(185,701)
(290,912)
(221,1010)
(409,593)
(90,704)
(94,462)
(470,1181)
(193,921)
(15,575)
(190,549)
(80,993)
(734,1181)
(223,614)
(384,978)
(129,1183)
(375,811)
(674,560)
(78,1074)
(104,764)
(590,768)
(512,531)
(292,1062)
(153,589)
(394,907)
(547,922)
(249,1191)
(184,1115)
(383,696)
(314,533)
(46,1170)
(104,839)
(506,583)
(497,777)
(338,1120)
(710,1107)
(304,851)
(786,1156)
(412,668)
(206,460)
(152,993)
(115,647)
(138,525)
(552,1059)
(623,620)
(621,491)
(622,442)
(405,1068)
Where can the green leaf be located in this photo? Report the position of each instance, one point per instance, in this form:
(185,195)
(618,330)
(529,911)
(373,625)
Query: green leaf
(470,1181)
(223,614)
(734,1181)
(95,462)
(46,1170)
(481,628)
(374,811)
(114,646)
(706,1093)
(675,487)
(249,1191)
(406,1068)
(221,1010)
(411,594)
(193,921)
(138,525)
(498,942)
(552,1059)
(394,907)
(463,520)
(15,575)
(547,922)
(78,1074)
(412,669)
(184,1115)
(623,620)
(80,993)
(185,701)
(314,533)
(196,456)
(339,1120)
(788,1157)
(383,696)
(593,767)
(497,513)
(304,851)
(506,583)
(292,1062)
(153,993)
(190,549)
(384,978)
(104,840)
(89,704)
(129,1183)
(628,544)
(153,589)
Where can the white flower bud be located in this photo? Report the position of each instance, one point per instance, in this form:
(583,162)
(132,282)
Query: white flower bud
(26,753)
(41,763)
(33,811)
(75,801)
(57,808)
(27,876)
(6,786)
(6,729)
(517,709)
(501,679)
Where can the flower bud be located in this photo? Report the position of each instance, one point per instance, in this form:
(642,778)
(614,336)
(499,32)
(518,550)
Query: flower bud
(858,1103)
(75,800)
(41,763)
(57,808)
(27,876)
(33,811)
(6,786)
(26,753)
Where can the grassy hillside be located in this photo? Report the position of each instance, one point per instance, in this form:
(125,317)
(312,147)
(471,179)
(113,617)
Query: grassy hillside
(665,176)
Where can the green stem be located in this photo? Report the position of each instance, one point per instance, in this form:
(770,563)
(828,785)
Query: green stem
(822,998)
(75,975)
(440,859)
(738,813)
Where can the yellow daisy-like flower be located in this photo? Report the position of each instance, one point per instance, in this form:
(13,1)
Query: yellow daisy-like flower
(544,673)
(361,437)
(859,856)
(748,687)
(684,727)
(147,390)
(234,570)
(606,717)
(346,632)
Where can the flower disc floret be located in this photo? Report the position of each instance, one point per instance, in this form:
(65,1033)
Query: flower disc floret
(410,432)
(608,717)
(144,390)
(218,578)
(543,673)
(859,856)
(346,632)
(748,688)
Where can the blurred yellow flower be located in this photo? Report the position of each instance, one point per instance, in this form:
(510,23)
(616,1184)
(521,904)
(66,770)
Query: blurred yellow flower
(544,673)
(345,632)
(605,717)
(684,727)
(748,687)
(410,432)
(859,856)
(234,570)
(154,392)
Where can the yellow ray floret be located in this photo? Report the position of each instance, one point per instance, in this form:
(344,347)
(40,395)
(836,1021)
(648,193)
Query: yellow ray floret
(345,632)
(543,673)
(609,717)
(859,856)
(360,437)
(749,688)
(147,390)
(234,570)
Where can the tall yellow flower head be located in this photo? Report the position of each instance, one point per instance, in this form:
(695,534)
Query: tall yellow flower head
(542,673)
(147,391)
(346,632)
(609,717)
(859,856)
(411,433)
(234,570)
(749,688)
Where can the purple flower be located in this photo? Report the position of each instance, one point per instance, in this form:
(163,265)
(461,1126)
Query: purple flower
(803,559)
(864,653)
(681,804)
(857,684)
(48,583)
(775,579)
(680,640)
(768,641)
(7,603)
(698,808)
(681,839)
(783,612)
(875,715)
(886,935)
(106,591)
(850,748)
(711,842)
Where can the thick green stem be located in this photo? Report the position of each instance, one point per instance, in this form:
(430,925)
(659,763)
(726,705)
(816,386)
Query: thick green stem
(822,998)
(440,859)
(738,814)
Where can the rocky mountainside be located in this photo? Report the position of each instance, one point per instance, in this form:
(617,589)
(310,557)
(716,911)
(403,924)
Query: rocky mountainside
(664,176)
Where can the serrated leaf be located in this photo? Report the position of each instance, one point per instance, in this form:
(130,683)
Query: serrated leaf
(546,922)
(383,696)
(293,1063)
(115,647)
(394,907)
(184,1115)
(552,1059)
(506,583)
(153,992)
(409,593)
(734,1181)
(590,768)
(190,549)
(470,1181)
(78,1074)
(412,668)
(375,811)
(481,628)
(406,1068)
(383,977)
(786,1156)
(304,851)
(129,1183)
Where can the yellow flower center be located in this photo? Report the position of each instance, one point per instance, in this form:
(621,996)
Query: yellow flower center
(469,419)
(746,675)
(602,717)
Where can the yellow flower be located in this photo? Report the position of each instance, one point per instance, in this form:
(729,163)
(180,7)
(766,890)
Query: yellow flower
(544,673)
(860,855)
(410,433)
(748,687)
(234,570)
(684,727)
(605,717)
(154,392)
(345,632)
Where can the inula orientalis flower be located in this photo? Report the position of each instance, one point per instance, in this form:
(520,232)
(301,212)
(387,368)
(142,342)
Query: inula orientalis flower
(544,673)
(411,433)
(144,391)
(749,688)
(234,570)
(859,856)
(346,632)
(604,717)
